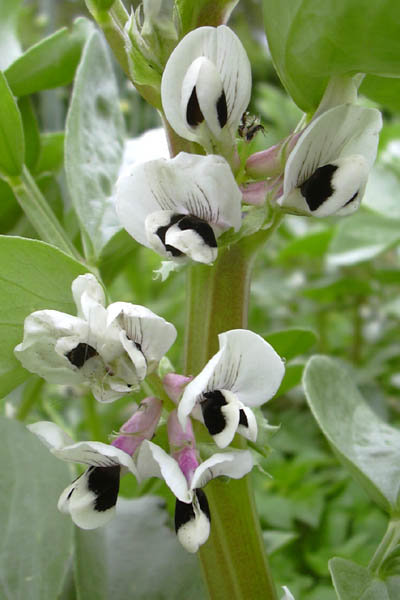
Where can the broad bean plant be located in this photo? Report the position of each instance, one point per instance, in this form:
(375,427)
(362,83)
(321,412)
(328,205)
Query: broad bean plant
(192,205)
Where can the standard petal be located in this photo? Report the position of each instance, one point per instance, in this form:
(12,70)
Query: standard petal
(91,499)
(341,131)
(153,461)
(95,454)
(87,291)
(42,332)
(234,464)
(189,184)
(249,367)
(224,49)
(50,434)
(153,334)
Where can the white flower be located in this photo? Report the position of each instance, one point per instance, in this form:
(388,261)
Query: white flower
(245,372)
(178,207)
(206,84)
(91,498)
(327,171)
(110,349)
(192,514)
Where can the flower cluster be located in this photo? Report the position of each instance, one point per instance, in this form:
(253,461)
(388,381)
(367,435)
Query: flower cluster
(180,207)
(245,373)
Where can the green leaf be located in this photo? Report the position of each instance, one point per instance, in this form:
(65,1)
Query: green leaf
(12,148)
(362,237)
(203,12)
(94,145)
(289,343)
(366,445)
(34,276)
(383,90)
(51,157)
(128,552)
(350,580)
(36,540)
(51,62)
(310,40)
(10,47)
(31,131)
(353,582)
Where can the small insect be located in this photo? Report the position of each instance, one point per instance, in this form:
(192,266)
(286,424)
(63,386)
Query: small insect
(249,126)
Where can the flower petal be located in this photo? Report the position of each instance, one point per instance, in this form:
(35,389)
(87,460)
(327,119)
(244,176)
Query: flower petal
(192,521)
(225,51)
(152,333)
(341,131)
(221,414)
(95,454)
(91,499)
(50,434)
(153,461)
(245,365)
(234,464)
(247,424)
(87,292)
(48,336)
(189,184)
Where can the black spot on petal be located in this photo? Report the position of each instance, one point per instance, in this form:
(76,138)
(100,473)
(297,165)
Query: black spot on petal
(211,403)
(162,231)
(80,354)
(104,483)
(202,228)
(194,116)
(243,419)
(222,110)
(318,188)
(185,512)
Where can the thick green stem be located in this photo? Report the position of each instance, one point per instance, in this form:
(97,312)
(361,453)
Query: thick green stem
(388,543)
(39,213)
(233,560)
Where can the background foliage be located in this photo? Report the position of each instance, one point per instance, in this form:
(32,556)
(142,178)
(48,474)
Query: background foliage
(338,278)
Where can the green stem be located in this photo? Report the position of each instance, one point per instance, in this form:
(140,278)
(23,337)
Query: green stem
(93,420)
(388,543)
(29,397)
(233,560)
(39,213)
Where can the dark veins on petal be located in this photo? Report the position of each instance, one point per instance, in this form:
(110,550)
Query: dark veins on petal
(211,403)
(194,116)
(80,354)
(318,188)
(185,512)
(104,483)
(222,110)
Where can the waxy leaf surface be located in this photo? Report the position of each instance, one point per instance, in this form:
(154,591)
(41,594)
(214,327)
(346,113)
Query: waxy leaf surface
(366,445)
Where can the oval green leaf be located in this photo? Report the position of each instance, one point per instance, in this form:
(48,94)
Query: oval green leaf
(94,145)
(12,144)
(366,445)
(51,62)
(310,41)
(33,276)
(36,540)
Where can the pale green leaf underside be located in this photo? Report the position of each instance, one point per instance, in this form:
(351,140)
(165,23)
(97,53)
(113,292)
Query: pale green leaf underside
(367,446)
(36,540)
(94,144)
